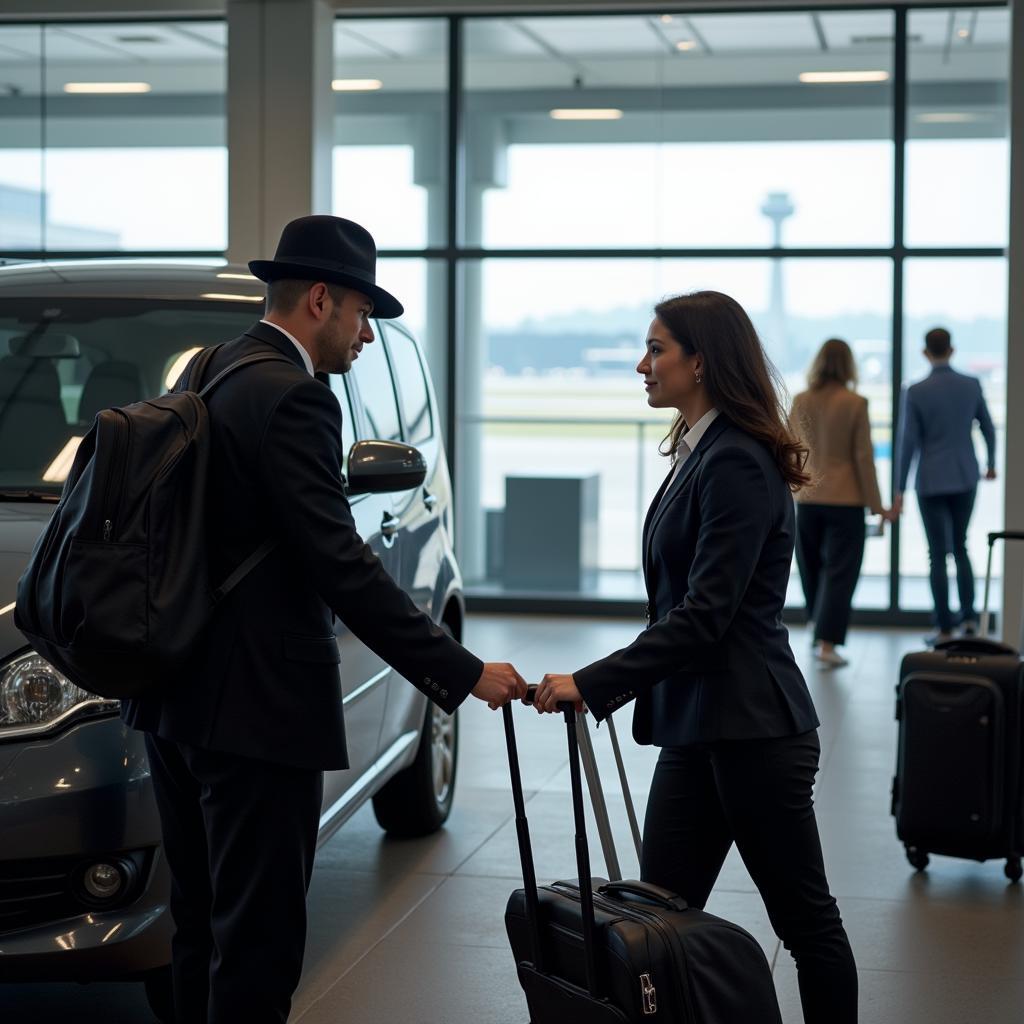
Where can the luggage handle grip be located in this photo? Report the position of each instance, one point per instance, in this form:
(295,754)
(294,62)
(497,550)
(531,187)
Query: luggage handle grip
(986,619)
(645,890)
(1005,535)
(531,694)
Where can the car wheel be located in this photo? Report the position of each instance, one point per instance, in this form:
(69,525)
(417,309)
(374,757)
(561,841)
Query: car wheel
(160,994)
(418,800)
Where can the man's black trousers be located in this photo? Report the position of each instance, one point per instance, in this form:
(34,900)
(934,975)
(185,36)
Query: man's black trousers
(946,518)
(239,837)
(756,794)
(829,552)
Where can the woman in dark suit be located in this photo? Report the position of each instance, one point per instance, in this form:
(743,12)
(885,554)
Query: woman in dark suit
(713,676)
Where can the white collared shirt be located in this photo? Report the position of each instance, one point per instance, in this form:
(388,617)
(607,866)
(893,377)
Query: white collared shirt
(692,437)
(306,360)
(689,441)
(686,446)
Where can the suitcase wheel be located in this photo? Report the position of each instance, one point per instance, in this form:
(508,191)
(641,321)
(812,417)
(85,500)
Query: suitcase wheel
(1013,869)
(919,858)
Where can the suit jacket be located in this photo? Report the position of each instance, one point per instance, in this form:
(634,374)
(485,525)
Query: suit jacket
(265,682)
(833,423)
(714,662)
(937,416)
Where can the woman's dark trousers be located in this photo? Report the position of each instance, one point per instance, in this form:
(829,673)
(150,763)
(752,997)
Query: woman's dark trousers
(756,794)
(946,518)
(829,552)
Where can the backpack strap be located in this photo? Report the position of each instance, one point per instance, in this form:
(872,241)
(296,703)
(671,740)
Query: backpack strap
(259,357)
(191,377)
(195,369)
(243,570)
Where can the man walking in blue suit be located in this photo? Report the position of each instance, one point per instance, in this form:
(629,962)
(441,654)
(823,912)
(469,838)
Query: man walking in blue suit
(936,419)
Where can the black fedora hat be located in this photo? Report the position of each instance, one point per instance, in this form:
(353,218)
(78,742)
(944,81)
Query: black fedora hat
(330,249)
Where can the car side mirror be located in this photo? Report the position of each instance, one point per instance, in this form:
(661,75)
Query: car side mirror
(382,467)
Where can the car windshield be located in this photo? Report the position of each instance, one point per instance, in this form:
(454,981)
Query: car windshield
(62,360)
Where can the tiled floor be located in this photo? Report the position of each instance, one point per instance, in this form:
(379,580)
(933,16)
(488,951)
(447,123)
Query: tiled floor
(412,932)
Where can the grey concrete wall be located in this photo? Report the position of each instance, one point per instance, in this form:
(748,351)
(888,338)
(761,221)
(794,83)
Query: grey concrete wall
(279,119)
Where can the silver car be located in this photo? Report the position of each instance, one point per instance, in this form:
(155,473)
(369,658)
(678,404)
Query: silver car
(83,884)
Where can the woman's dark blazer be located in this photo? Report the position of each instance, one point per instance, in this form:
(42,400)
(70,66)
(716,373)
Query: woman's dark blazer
(714,662)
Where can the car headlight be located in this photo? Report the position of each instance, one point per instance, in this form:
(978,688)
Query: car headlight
(36,698)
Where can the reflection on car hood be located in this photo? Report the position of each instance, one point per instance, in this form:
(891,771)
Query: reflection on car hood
(20,526)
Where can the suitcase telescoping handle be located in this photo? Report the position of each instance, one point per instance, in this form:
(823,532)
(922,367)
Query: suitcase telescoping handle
(1006,535)
(596,790)
(580,748)
(582,852)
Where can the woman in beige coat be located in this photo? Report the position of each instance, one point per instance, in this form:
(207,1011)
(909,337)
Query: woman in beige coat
(832,420)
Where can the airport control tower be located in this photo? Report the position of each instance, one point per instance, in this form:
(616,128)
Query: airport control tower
(777,207)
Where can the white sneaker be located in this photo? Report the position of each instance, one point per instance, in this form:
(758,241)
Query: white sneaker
(831,659)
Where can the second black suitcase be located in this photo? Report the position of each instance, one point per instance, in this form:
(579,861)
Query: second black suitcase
(957,788)
(625,952)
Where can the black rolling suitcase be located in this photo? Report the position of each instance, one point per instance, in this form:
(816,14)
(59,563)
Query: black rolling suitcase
(957,789)
(590,951)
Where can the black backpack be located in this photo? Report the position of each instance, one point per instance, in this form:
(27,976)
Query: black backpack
(118,591)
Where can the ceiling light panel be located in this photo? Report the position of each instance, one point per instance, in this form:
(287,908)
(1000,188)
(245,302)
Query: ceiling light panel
(847,77)
(586,114)
(107,88)
(742,33)
(356,84)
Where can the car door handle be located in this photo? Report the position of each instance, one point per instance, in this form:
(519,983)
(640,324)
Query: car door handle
(430,500)
(389,529)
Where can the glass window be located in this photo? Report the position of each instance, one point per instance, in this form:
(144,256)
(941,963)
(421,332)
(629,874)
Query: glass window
(958,150)
(412,387)
(712,130)
(21,133)
(968,297)
(377,393)
(134,129)
(553,384)
(56,374)
(390,136)
(348,427)
(142,169)
(422,287)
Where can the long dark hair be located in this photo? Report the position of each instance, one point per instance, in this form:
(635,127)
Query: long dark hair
(741,381)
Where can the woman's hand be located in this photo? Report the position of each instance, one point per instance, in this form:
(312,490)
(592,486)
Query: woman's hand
(553,690)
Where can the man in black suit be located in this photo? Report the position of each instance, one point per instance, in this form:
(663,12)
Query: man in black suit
(238,748)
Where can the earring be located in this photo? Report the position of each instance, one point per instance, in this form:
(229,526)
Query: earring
(697,376)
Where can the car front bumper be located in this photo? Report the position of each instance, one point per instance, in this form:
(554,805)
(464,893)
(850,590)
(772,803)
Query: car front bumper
(81,797)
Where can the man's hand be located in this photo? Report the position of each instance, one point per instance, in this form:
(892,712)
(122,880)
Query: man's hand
(498,684)
(990,474)
(553,690)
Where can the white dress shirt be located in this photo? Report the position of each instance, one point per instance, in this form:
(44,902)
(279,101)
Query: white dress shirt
(689,441)
(685,448)
(306,360)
